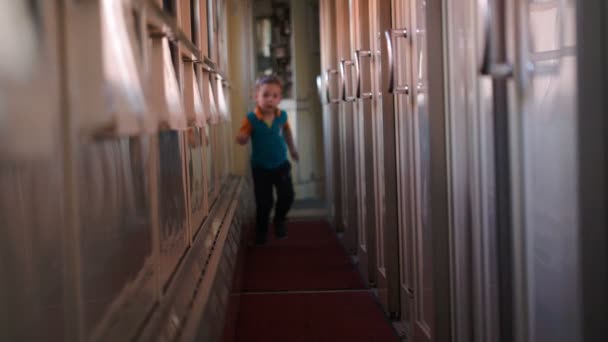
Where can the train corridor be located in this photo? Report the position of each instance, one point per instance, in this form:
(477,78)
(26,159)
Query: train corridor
(458,147)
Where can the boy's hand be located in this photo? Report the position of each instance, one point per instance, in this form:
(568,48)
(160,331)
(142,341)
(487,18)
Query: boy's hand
(242,138)
(294,154)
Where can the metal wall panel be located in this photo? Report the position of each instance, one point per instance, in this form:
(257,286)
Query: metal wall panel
(33,305)
(116,229)
(542,35)
(441,322)
(460,103)
(472,170)
(593,165)
(31,265)
(173,223)
(196,177)
(209,163)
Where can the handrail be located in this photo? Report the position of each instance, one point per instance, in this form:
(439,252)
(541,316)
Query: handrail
(209,65)
(165,24)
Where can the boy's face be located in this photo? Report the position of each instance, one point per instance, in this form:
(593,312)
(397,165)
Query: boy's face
(268,96)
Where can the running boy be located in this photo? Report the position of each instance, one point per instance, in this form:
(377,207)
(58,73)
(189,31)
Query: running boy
(270,137)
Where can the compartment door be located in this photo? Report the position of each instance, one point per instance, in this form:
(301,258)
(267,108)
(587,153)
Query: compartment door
(410,86)
(361,56)
(423,314)
(398,49)
(384,163)
(347,130)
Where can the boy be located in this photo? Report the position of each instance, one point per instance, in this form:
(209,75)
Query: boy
(270,137)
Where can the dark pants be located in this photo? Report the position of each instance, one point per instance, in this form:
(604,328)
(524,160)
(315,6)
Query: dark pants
(263,181)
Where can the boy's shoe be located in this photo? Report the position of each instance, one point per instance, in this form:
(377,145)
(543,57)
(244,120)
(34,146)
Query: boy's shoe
(280,230)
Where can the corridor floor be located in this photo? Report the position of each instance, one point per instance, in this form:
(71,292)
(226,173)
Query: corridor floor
(305,288)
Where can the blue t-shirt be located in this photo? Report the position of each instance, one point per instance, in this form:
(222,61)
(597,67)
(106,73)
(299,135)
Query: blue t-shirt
(269,149)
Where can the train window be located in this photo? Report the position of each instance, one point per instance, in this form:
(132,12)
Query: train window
(35,10)
(169,6)
(199,119)
(213,109)
(174,55)
(210,26)
(220,35)
(123,87)
(210,162)
(19,51)
(173,96)
(195,21)
(202,27)
(212,119)
(219,7)
(221,98)
(137,23)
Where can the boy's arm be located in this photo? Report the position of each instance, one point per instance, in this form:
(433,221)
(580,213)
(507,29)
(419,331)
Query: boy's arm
(289,140)
(242,137)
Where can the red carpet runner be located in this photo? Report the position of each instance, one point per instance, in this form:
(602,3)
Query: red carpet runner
(305,289)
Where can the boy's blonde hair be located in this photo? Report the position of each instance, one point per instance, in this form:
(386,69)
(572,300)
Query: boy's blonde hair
(268,79)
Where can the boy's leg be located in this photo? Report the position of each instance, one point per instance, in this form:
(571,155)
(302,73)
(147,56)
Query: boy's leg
(262,184)
(285,197)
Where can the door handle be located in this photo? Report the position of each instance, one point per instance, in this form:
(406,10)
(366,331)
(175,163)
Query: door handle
(389,35)
(358,55)
(319,80)
(328,74)
(343,64)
